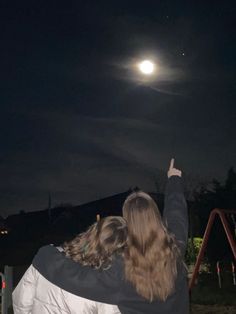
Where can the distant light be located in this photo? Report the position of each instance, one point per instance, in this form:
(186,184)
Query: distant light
(146,67)
(4,232)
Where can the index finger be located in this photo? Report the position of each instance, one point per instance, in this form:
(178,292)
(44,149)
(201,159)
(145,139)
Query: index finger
(172,163)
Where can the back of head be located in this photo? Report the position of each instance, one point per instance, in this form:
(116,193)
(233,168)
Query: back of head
(151,254)
(97,246)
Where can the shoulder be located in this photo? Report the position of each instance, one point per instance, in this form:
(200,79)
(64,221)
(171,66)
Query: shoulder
(118,265)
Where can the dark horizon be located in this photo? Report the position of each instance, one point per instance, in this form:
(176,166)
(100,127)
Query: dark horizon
(78,121)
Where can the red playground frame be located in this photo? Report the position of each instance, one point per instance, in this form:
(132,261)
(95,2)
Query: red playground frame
(222,214)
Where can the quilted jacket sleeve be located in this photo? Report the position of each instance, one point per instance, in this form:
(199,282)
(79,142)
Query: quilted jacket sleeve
(23,294)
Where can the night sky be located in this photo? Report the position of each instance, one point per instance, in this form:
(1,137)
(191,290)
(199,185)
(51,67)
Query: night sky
(78,120)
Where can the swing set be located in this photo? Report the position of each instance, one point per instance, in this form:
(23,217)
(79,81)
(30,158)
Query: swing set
(223,214)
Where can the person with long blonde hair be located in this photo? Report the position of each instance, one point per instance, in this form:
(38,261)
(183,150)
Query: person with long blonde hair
(152,253)
(150,276)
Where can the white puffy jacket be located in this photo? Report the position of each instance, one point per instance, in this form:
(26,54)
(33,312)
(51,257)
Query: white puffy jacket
(34,294)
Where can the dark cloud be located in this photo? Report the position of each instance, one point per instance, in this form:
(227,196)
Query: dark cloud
(78,121)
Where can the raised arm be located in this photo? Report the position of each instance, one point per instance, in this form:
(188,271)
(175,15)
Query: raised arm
(175,210)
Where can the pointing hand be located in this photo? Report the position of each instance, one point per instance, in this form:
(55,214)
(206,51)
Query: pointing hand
(173,171)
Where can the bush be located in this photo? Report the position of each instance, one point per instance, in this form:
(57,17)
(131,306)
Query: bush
(193,249)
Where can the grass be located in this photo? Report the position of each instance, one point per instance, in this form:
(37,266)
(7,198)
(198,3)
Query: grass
(207,290)
(207,298)
(212,309)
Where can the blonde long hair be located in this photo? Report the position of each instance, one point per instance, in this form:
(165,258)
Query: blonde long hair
(97,246)
(151,254)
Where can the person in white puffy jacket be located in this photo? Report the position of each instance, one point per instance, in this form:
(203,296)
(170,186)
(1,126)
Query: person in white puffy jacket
(96,247)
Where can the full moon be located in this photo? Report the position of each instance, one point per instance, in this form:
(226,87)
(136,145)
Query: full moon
(146,67)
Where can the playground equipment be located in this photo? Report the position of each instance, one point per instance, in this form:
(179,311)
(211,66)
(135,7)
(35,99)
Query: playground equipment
(218,273)
(222,213)
(6,289)
(2,293)
(233,273)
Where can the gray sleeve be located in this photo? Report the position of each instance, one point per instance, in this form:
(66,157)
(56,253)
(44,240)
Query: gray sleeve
(175,211)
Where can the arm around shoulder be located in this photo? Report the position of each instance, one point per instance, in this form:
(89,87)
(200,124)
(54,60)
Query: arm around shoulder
(84,281)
